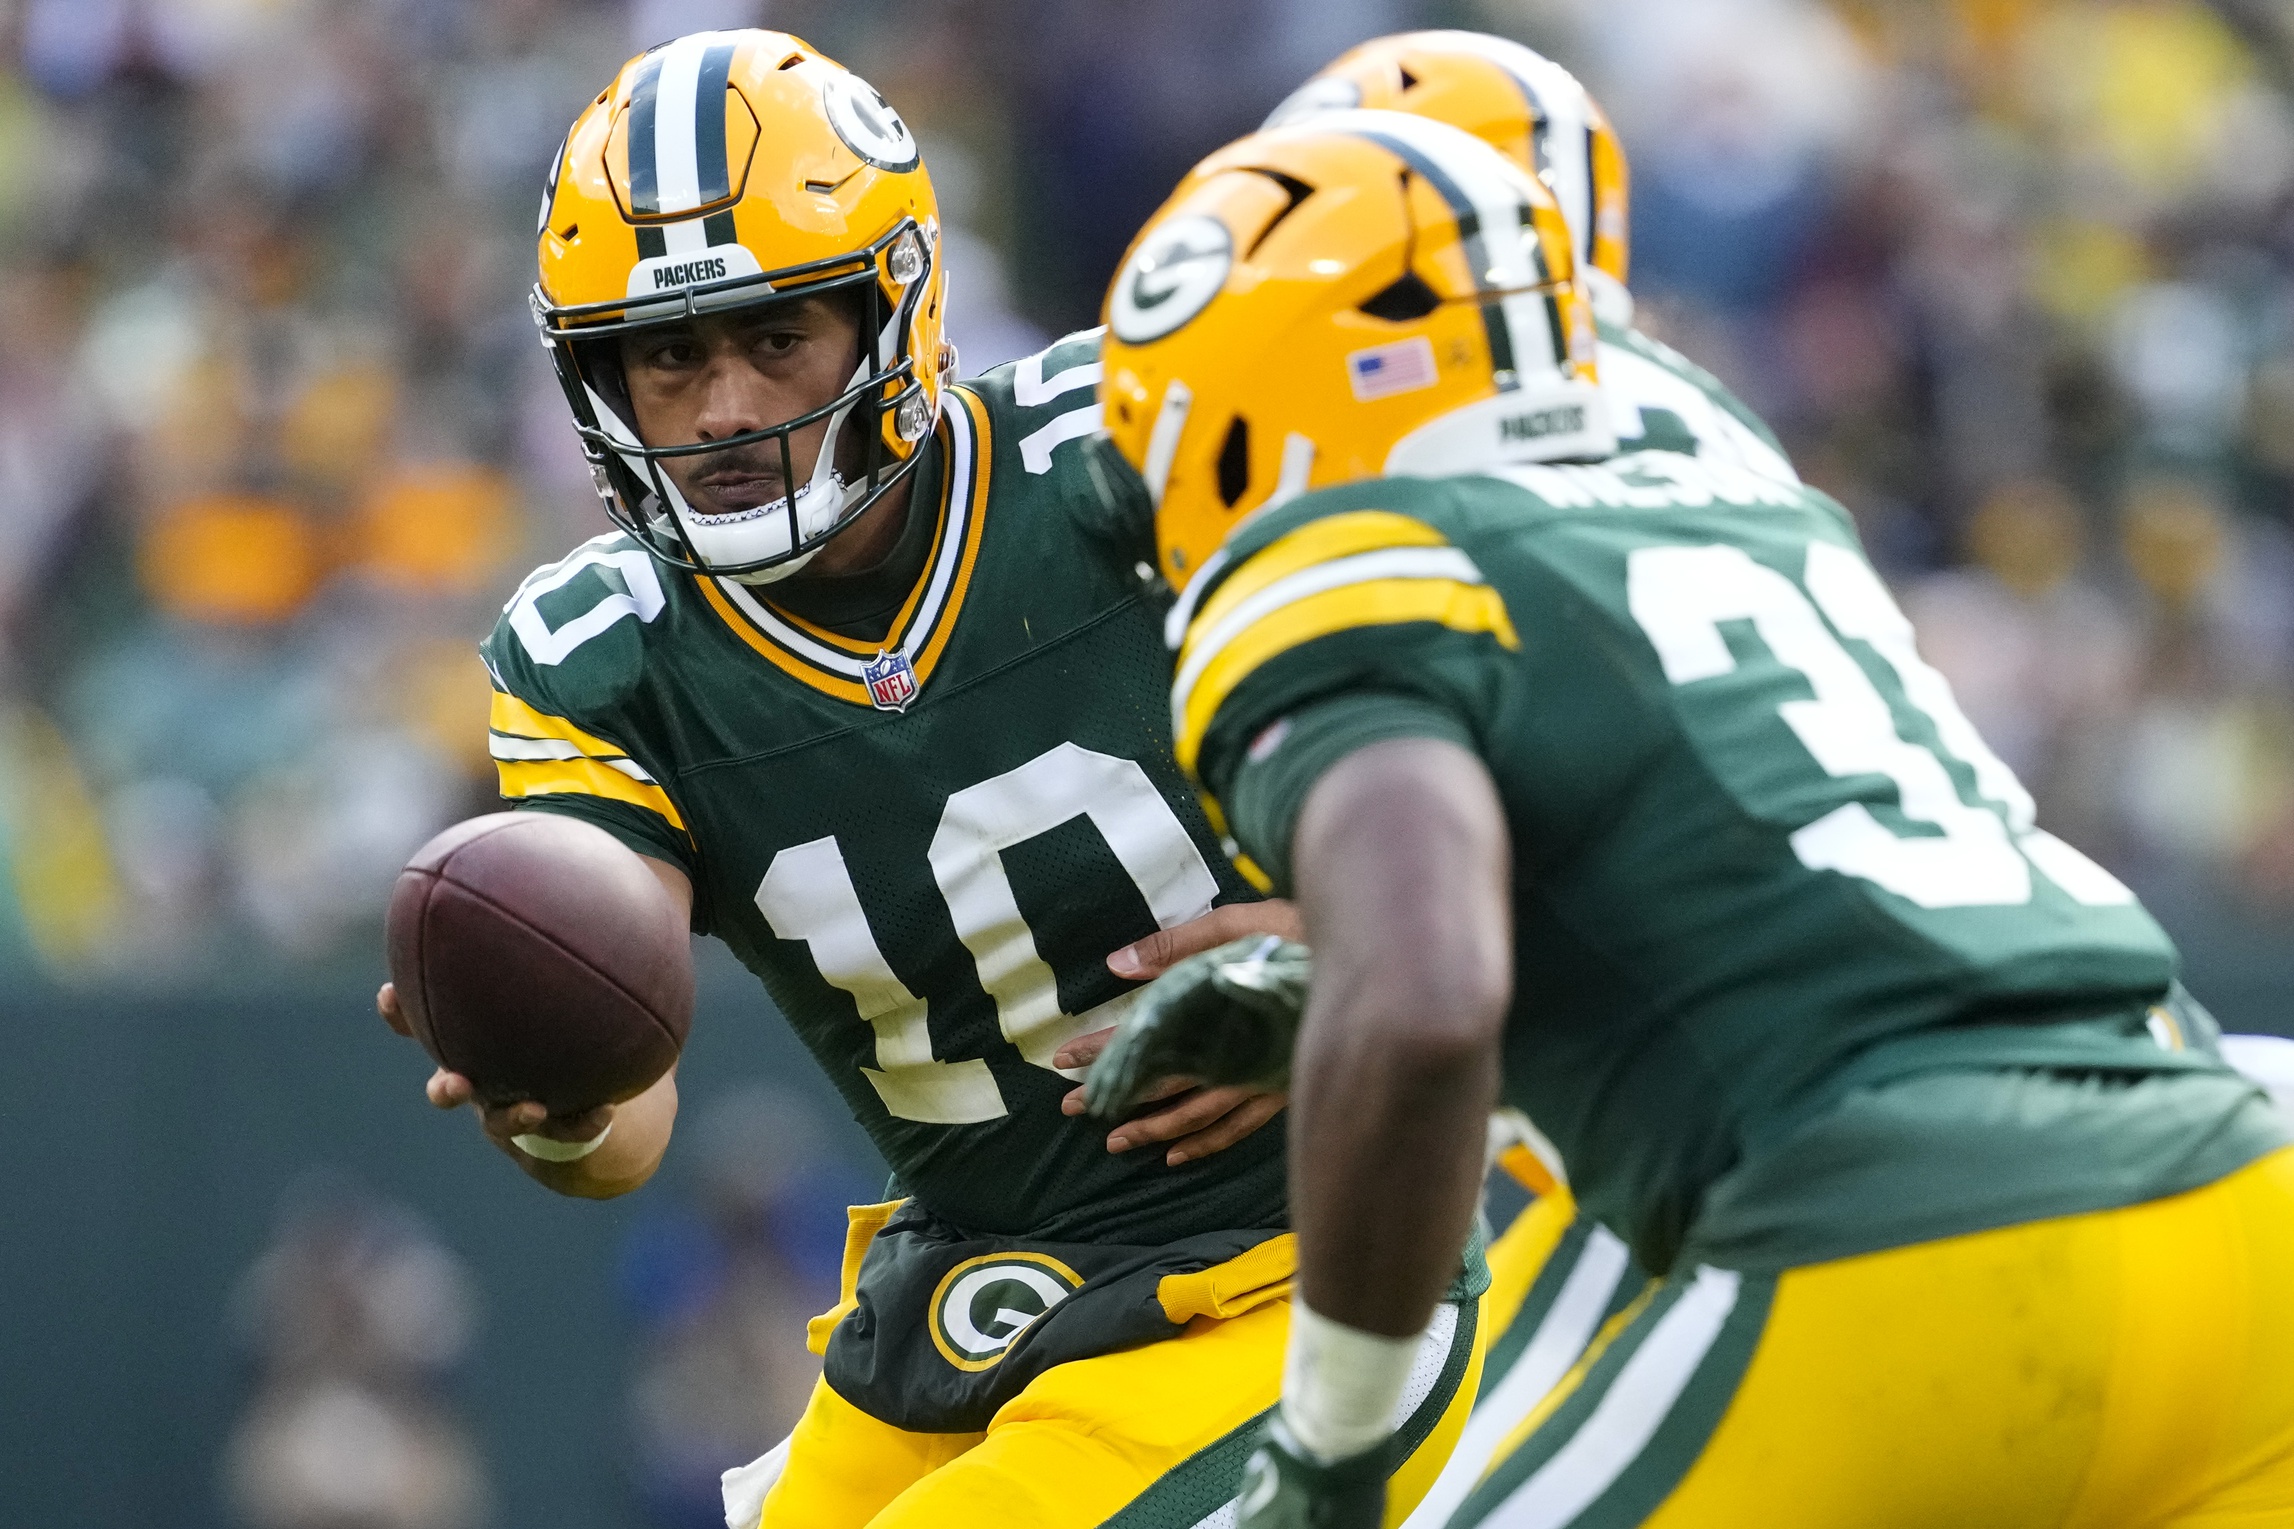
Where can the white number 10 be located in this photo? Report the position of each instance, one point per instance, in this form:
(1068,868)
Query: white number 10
(808,895)
(1984,854)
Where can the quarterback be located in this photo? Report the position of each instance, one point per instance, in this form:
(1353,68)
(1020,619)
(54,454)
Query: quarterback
(868,675)
(1618,792)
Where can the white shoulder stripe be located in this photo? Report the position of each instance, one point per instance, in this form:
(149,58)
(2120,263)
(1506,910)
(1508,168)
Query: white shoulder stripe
(1628,1417)
(510,748)
(1362,568)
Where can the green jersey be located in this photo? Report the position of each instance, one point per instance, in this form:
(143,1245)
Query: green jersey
(925,847)
(1660,400)
(1762,861)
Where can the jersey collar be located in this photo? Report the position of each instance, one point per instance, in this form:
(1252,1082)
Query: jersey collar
(835,665)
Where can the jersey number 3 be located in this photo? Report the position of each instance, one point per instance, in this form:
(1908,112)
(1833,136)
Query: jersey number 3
(1971,855)
(808,895)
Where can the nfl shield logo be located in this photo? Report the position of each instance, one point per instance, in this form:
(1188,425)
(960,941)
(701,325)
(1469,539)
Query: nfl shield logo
(891,681)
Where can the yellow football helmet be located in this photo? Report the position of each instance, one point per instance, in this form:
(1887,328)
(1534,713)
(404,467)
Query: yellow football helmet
(1367,294)
(1514,98)
(721,171)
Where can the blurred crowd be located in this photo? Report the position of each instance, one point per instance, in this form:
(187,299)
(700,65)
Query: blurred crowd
(352,1322)
(2013,278)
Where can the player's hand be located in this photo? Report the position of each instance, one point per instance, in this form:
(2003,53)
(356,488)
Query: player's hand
(1286,1488)
(1227,1017)
(448,1090)
(1199,1121)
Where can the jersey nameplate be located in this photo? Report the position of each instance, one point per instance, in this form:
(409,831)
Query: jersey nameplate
(1651,480)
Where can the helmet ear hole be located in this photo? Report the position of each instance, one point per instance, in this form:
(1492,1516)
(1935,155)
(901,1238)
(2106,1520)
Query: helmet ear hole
(1405,301)
(1235,462)
(1409,80)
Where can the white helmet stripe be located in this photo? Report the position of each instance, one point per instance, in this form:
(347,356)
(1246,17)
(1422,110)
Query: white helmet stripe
(688,147)
(1471,175)
(677,124)
(1492,204)
(1563,113)
(677,179)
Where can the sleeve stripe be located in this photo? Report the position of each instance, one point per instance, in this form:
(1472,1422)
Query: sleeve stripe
(502,746)
(1216,629)
(585,777)
(516,719)
(1209,640)
(1318,541)
(1454,603)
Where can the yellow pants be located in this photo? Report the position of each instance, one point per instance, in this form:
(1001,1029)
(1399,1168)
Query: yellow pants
(1149,1436)
(2124,1369)
(1138,1438)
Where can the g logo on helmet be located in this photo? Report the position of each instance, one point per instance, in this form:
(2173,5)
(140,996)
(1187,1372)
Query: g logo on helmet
(867,123)
(984,1304)
(1170,278)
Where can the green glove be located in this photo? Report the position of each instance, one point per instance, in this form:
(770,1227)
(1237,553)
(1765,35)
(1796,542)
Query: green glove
(1286,1488)
(1227,1016)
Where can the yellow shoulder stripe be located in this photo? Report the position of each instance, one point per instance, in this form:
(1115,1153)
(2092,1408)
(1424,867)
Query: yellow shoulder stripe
(584,777)
(514,717)
(1317,541)
(1454,603)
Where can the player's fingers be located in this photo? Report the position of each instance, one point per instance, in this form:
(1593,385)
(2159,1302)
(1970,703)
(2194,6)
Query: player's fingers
(1190,1114)
(504,1121)
(1083,1050)
(1165,948)
(386,1004)
(1230,1128)
(447,1090)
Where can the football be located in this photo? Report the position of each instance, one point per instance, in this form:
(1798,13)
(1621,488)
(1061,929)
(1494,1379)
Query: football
(540,959)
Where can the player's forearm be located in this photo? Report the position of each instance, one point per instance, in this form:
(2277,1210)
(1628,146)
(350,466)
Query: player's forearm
(1402,864)
(632,1150)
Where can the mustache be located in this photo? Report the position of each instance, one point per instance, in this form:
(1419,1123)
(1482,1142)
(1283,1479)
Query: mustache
(757,459)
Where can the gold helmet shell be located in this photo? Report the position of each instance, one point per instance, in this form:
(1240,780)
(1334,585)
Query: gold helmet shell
(1366,294)
(721,171)
(1512,97)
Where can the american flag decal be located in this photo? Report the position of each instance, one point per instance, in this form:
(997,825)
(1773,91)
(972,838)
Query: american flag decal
(891,681)
(1384,370)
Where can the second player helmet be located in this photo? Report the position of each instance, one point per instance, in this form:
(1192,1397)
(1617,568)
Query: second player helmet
(1515,99)
(723,171)
(1367,294)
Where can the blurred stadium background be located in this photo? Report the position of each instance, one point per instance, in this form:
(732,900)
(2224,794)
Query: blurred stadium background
(2014,279)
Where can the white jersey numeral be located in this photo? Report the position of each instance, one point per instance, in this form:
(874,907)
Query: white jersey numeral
(639,595)
(981,822)
(807,895)
(1981,856)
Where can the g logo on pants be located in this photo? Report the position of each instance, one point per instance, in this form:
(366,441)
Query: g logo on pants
(984,1304)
